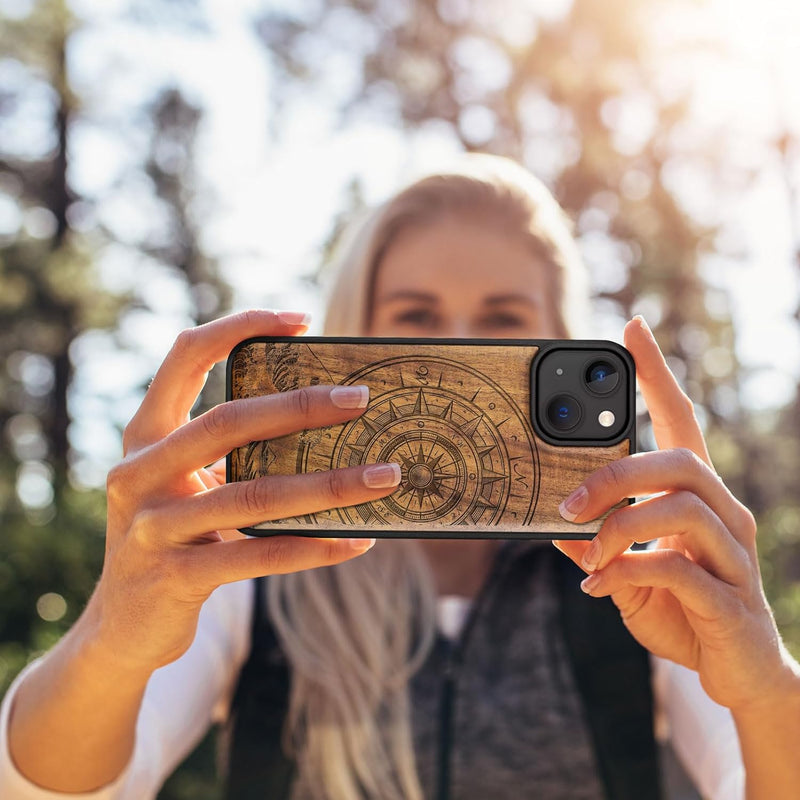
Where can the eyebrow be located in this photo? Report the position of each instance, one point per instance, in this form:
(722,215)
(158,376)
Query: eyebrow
(492,300)
(409,294)
(502,299)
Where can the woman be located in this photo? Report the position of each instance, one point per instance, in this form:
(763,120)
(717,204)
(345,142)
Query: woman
(483,252)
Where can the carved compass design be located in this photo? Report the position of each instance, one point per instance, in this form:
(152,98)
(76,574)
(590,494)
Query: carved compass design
(466,449)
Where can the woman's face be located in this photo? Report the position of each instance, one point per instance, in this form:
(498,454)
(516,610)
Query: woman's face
(458,278)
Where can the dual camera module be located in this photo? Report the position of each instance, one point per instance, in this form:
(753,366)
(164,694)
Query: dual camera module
(582,395)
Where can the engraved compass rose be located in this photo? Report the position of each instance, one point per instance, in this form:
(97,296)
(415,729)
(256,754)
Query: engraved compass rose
(448,454)
(421,475)
(444,432)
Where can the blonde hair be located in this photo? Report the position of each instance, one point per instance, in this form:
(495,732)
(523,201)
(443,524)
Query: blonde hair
(355,633)
(499,193)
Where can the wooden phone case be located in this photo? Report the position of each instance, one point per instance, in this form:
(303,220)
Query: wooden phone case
(455,414)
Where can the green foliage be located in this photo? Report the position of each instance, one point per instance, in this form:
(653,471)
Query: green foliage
(779,550)
(57,551)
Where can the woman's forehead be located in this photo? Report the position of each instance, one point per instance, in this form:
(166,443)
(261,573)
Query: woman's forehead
(443,257)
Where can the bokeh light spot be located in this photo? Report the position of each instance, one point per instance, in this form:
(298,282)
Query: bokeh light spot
(51,607)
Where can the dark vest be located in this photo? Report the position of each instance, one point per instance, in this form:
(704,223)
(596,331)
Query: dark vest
(610,676)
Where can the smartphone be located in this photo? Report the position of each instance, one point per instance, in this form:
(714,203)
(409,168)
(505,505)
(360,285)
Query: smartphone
(491,435)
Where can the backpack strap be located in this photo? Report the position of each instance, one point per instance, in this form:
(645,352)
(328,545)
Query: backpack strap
(612,672)
(258,766)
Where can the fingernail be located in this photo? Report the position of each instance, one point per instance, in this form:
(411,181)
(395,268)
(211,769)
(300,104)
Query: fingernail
(361,545)
(590,582)
(574,504)
(591,558)
(294,317)
(643,324)
(381,476)
(350,396)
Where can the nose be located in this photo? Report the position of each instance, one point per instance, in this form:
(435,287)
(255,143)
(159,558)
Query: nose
(458,328)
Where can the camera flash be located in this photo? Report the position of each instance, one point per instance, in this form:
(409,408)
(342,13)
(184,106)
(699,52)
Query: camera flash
(606,418)
(559,371)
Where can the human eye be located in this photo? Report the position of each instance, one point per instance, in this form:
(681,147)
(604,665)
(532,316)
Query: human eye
(421,318)
(504,320)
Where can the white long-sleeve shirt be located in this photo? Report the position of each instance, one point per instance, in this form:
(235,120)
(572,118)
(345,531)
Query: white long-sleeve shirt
(184,698)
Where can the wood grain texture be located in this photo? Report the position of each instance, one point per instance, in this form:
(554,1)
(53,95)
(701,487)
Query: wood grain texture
(455,417)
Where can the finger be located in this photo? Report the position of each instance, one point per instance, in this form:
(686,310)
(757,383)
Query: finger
(247,503)
(628,599)
(236,423)
(215,474)
(680,514)
(182,375)
(572,548)
(652,473)
(671,411)
(697,590)
(226,562)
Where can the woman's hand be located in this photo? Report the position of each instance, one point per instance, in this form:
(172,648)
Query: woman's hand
(171,536)
(696,597)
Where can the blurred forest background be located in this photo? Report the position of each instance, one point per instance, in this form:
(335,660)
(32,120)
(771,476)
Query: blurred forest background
(112,232)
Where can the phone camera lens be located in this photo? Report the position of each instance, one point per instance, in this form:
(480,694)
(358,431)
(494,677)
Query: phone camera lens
(563,412)
(602,377)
